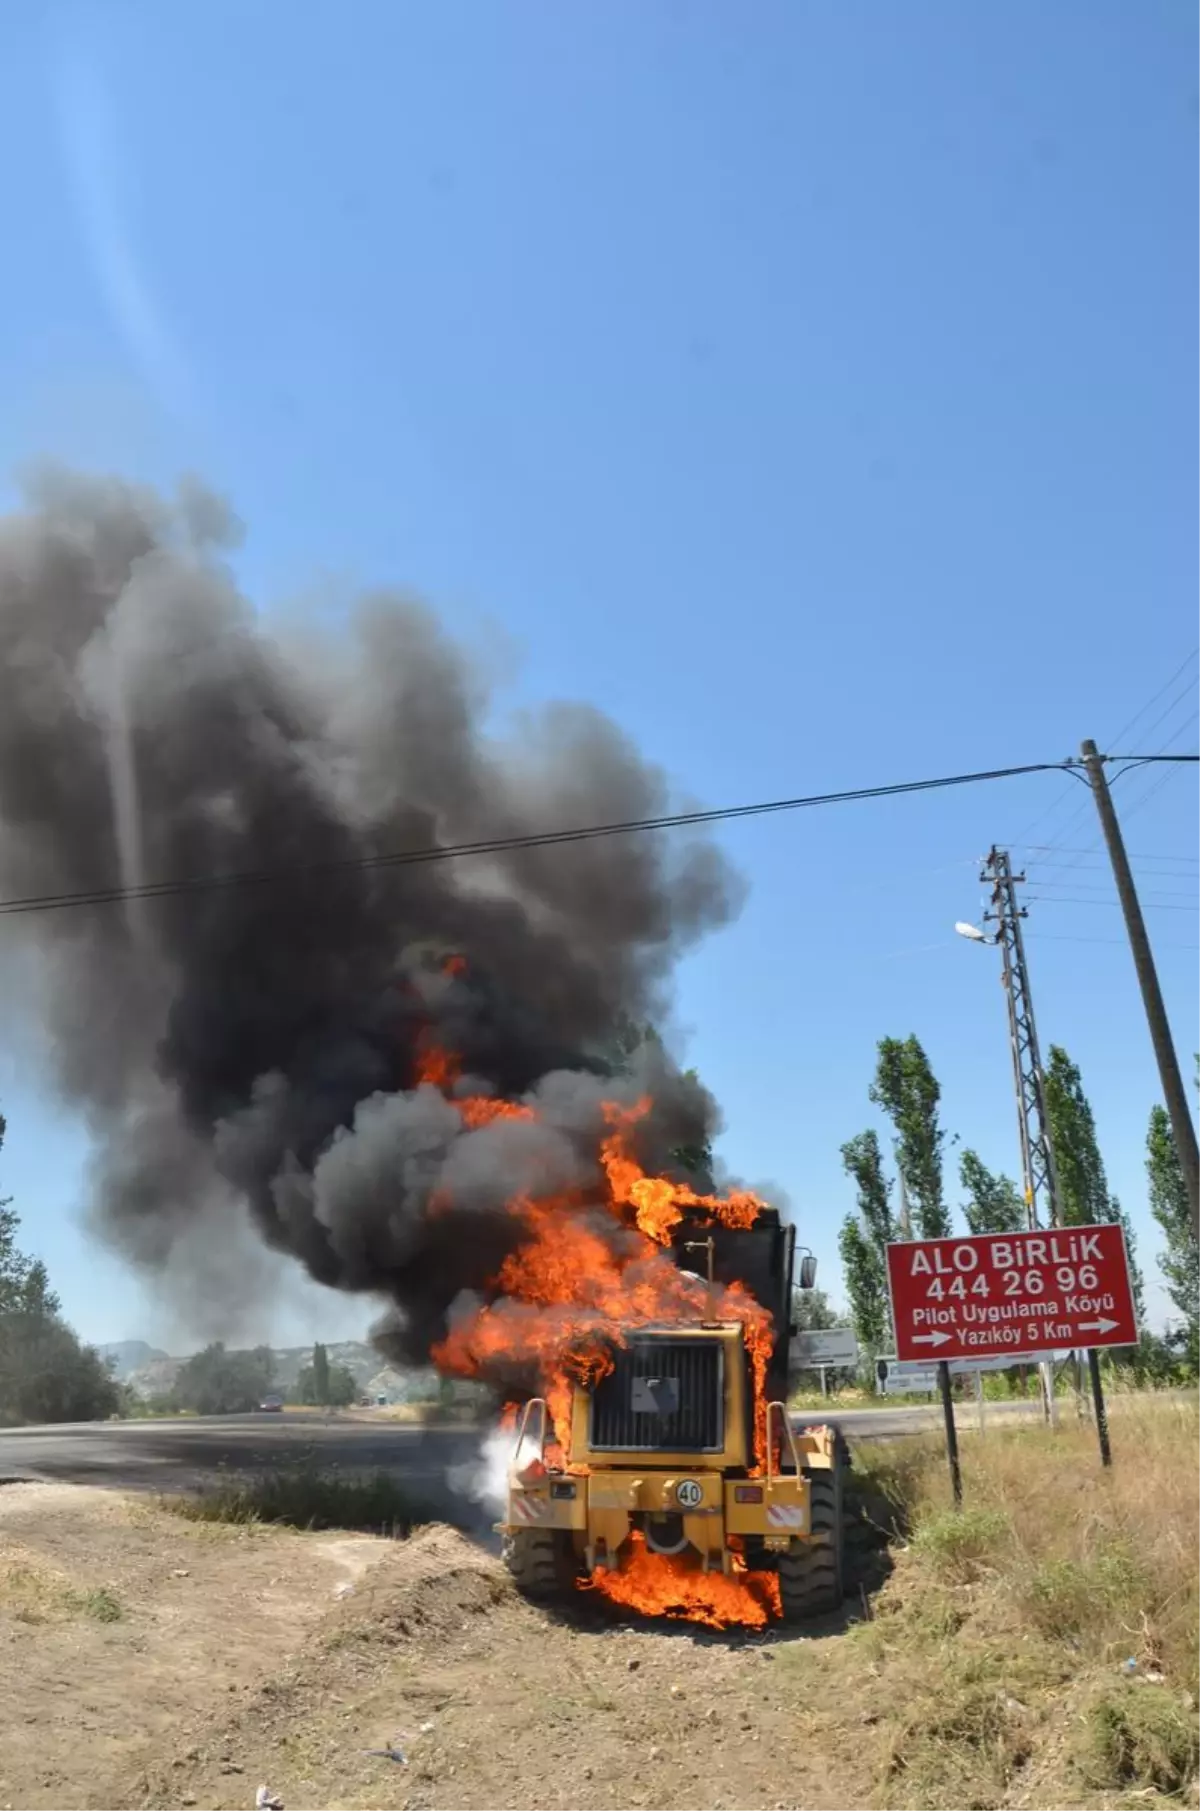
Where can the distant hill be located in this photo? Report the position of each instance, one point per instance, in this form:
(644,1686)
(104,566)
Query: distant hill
(152,1372)
(129,1355)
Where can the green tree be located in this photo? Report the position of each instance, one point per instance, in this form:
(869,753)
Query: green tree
(697,1159)
(1180,1260)
(218,1382)
(627,1039)
(907,1090)
(1083,1197)
(994,1202)
(862,1161)
(320,1371)
(46,1373)
(865,1286)
(1137,1283)
(24,1284)
(322,1385)
(862,1240)
(813,1312)
(343,1387)
(1083,1192)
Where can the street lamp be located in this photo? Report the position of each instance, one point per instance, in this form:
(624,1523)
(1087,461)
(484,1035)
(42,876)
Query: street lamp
(973,934)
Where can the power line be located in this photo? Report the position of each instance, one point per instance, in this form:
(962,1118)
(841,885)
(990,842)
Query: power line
(1103,884)
(1158,784)
(1193,860)
(1164,714)
(1113,942)
(502,844)
(1052,807)
(1151,702)
(1078,814)
(1081,899)
(1099,866)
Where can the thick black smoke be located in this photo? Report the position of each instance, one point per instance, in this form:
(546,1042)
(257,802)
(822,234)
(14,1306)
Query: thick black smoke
(257,1042)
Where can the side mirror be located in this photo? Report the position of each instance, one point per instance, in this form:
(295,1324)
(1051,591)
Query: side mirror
(808,1271)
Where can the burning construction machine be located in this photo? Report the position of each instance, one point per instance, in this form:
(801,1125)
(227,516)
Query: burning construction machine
(679,1446)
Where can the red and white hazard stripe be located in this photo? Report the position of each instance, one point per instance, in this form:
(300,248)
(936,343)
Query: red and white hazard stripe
(785,1515)
(530,1509)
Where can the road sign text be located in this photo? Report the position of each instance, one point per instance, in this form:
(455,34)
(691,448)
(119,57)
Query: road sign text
(958,1298)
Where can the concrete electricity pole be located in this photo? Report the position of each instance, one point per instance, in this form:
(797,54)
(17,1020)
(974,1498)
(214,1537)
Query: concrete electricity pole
(1143,960)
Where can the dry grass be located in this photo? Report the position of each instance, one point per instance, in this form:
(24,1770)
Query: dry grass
(34,1593)
(1043,1642)
(307,1499)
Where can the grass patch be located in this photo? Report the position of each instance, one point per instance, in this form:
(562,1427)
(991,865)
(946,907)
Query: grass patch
(1139,1736)
(1086,1602)
(33,1595)
(959,1545)
(308,1500)
(1103,1563)
(29,1595)
(100,1605)
(1000,1639)
(961,1749)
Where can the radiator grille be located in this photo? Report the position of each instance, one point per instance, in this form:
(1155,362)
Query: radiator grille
(685,1378)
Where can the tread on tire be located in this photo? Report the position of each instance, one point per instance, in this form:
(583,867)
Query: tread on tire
(540,1562)
(811,1572)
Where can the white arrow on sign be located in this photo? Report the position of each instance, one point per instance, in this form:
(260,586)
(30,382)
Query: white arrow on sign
(940,1339)
(1100,1326)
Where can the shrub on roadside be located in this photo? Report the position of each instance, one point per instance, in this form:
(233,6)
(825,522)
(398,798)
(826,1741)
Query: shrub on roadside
(1139,1736)
(308,1500)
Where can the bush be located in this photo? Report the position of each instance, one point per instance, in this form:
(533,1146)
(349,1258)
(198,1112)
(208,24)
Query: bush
(959,1543)
(217,1382)
(1088,1602)
(47,1374)
(1140,1736)
(308,1500)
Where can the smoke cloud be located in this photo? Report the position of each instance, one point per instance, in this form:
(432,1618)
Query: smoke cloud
(250,1051)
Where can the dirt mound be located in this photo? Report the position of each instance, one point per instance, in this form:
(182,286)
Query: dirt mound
(420,1588)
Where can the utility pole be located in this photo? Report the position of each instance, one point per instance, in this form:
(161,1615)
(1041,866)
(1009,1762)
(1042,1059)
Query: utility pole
(1037,1158)
(1143,961)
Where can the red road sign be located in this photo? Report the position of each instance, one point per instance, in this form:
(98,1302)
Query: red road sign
(1011,1292)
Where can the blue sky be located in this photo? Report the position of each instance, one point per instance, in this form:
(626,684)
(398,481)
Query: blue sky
(813,387)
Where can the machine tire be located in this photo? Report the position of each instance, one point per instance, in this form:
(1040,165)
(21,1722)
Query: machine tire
(811,1572)
(541,1562)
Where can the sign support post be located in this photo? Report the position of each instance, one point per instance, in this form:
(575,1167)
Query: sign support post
(1098,1404)
(951,1432)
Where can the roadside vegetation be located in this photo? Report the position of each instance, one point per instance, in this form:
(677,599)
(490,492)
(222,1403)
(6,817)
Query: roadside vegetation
(1040,1646)
(308,1499)
(46,1372)
(35,1594)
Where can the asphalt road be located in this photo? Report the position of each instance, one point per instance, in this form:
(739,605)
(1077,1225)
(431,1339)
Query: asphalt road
(185,1454)
(173,1455)
(919,1418)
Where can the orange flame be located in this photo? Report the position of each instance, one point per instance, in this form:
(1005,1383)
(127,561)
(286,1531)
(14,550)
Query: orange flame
(440,1068)
(659,1585)
(571,1292)
(657,1202)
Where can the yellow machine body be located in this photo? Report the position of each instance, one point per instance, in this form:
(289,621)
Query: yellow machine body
(706,1498)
